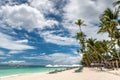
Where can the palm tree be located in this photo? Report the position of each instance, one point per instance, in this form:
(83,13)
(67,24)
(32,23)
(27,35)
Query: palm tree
(109,21)
(100,48)
(100,51)
(80,23)
(85,61)
(117,33)
(81,37)
(95,45)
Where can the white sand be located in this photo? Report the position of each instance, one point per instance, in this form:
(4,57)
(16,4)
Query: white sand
(86,74)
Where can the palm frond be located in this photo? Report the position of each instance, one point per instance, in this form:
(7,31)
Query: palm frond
(116,3)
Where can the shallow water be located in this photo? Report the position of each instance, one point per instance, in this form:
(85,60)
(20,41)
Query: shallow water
(14,71)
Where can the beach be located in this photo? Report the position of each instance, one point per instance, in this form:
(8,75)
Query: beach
(86,74)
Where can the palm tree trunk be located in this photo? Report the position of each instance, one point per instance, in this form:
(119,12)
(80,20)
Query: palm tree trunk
(80,28)
(97,52)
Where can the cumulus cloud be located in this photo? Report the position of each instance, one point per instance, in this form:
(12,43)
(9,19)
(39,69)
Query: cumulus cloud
(44,6)
(58,58)
(82,9)
(57,39)
(9,43)
(25,17)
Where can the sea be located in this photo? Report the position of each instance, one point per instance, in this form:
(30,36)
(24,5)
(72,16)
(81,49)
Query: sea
(22,70)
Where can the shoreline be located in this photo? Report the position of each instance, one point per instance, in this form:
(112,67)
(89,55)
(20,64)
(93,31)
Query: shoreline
(20,74)
(86,74)
(28,72)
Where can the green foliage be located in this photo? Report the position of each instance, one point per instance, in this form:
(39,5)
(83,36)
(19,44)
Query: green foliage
(80,23)
(116,3)
(95,51)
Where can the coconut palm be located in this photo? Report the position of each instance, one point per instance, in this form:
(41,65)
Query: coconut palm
(80,23)
(109,21)
(95,45)
(85,61)
(81,37)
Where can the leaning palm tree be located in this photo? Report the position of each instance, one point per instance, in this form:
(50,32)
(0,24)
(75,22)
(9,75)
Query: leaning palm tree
(85,61)
(91,51)
(101,48)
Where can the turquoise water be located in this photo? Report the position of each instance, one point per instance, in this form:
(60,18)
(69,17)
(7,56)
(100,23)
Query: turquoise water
(14,71)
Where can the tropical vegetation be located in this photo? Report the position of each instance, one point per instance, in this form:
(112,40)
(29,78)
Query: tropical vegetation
(102,53)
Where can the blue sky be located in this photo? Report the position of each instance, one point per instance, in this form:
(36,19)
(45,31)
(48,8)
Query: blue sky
(43,32)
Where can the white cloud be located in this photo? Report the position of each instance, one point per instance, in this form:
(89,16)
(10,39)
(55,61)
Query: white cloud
(15,52)
(22,41)
(92,31)
(58,58)
(26,17)
(3,55)
(57,39)
(8,42)
(82,9)
(44,6)
(14,62)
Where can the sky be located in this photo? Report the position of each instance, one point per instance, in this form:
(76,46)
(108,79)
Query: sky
(41,32)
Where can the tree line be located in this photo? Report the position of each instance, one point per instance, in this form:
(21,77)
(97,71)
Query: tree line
(102,52)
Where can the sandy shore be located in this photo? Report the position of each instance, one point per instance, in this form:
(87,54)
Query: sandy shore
(86,74)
